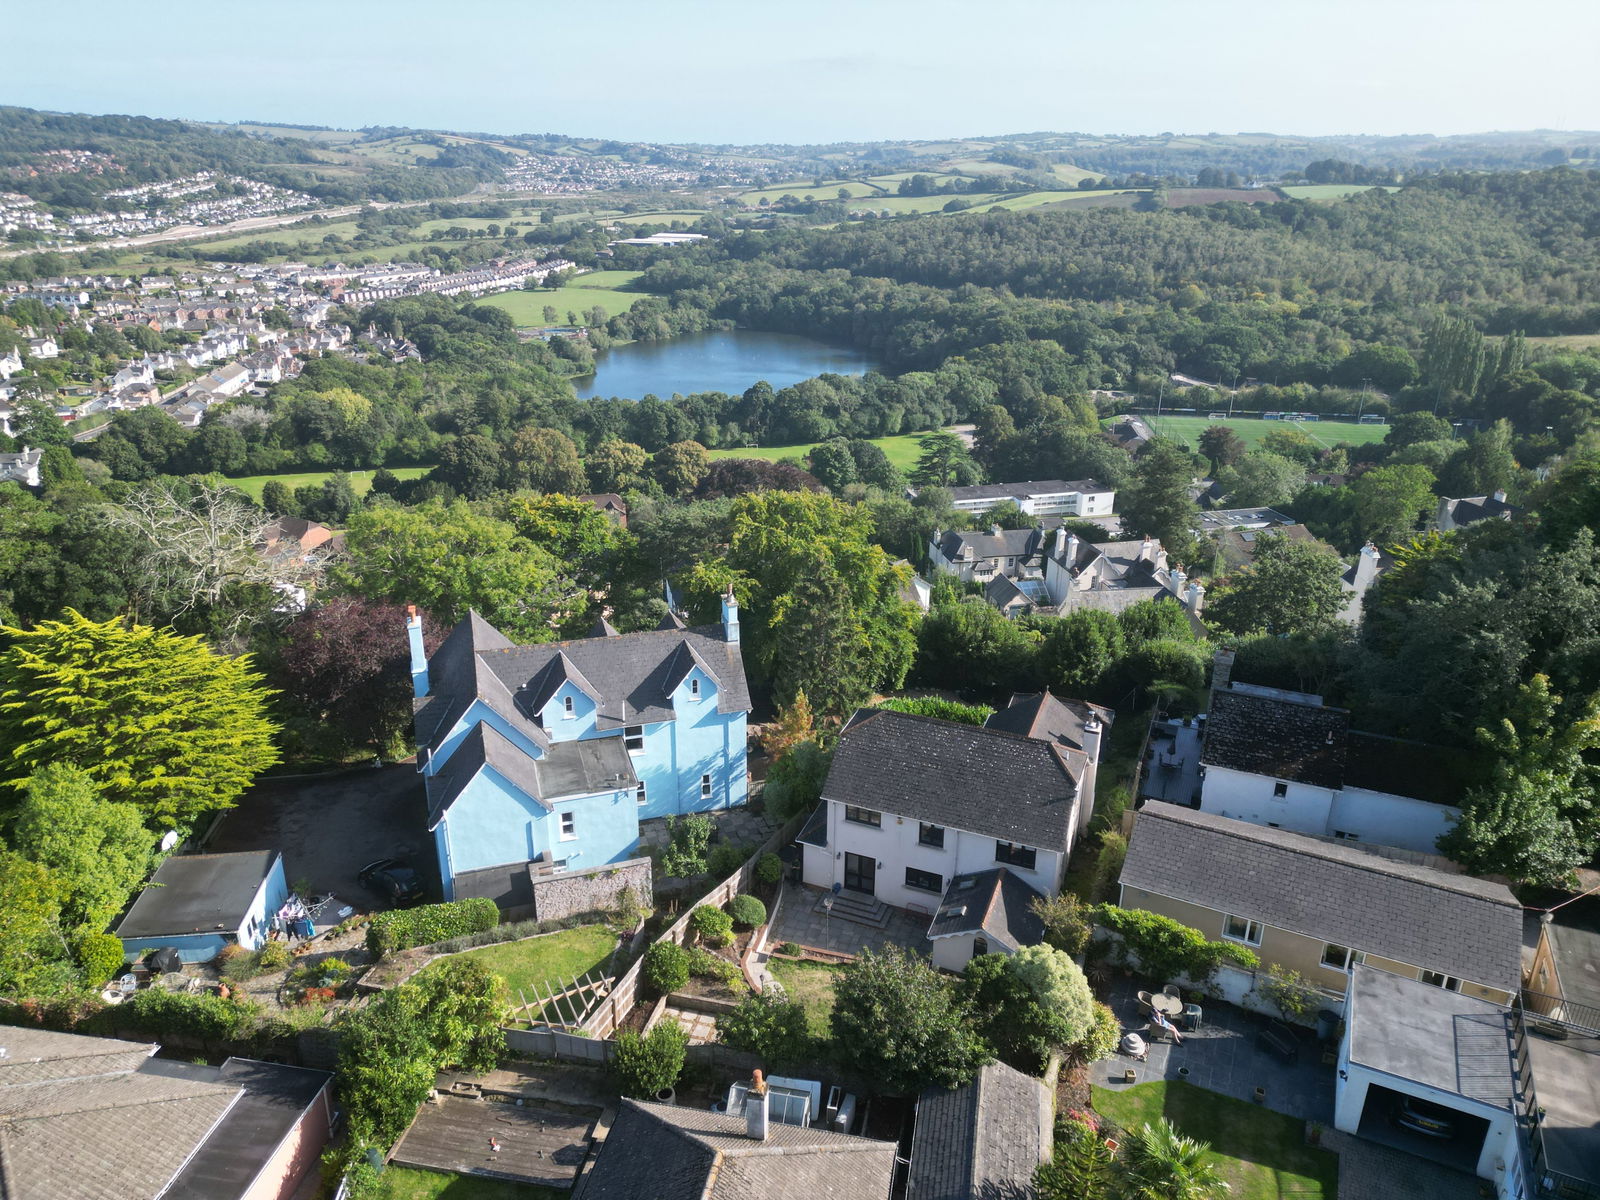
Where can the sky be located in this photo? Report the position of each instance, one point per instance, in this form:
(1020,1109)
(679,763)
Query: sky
(812,71)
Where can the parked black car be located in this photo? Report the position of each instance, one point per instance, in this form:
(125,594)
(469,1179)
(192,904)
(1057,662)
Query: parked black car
(393,879)
(1430,1120)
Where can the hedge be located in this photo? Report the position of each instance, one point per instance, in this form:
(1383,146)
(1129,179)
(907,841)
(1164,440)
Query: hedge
(402,928)
(1167,949)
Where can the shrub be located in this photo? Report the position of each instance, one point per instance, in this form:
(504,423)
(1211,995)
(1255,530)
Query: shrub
(333,966)
(711,925)
(647,1065)
(769,869)
(273,956)
(403,928)
(666,967)
(945,710)
(1103,1038)
(1066,924)
(725,859)
(705,965)
(747,912)
(1168,949)
(627,914)
(792,949)
(100,957)
(767,1024)
(240,967)
(1290,992)
(1108,864)
(157,1011)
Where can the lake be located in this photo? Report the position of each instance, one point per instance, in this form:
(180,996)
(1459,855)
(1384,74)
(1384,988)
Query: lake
(725,361)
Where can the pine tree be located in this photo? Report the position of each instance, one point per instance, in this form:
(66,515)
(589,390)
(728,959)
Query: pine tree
(153,718)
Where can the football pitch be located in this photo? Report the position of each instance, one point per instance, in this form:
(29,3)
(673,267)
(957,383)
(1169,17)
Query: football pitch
(1326,434)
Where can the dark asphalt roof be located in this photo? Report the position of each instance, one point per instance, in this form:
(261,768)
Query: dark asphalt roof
(1046,717)
(981,1140)
(668,1152)
(198,893)
(986,781)
(996,903)
(1332,891)
(275,1097)
(1281,738)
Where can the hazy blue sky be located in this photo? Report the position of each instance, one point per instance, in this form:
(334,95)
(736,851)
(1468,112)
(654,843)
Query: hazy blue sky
(823,70)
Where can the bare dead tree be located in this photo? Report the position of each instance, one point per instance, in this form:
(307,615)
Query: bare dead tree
(205,548)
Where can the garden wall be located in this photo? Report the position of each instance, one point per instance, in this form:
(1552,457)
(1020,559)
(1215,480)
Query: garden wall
(593,889)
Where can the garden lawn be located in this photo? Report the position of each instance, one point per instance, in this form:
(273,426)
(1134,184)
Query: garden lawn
(360,481)
(542,963)
(403,1183)
(812,985)
(902,450)
(1263,1154)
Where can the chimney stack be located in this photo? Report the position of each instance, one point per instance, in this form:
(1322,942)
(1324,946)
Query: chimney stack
(1196,597)
(755,1107)
(1222,670)
(419,657)
(1500,495)
(730,617)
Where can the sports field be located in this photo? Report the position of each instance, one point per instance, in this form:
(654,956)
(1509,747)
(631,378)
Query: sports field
(578,295)
(1325,433)
(902,451)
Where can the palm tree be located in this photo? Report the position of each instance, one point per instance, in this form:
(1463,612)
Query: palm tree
(1162,1164)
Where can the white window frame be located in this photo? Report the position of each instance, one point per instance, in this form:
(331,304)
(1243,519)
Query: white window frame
(705,787)
(1250,928)
(569,708)
(1440,980)
(694,687)
(633,739)
(869,817)
(1349,956)
(641,793)
(569,826)
(1280,789)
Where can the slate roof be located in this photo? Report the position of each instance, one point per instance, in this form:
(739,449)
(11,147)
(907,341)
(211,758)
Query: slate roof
(1332,891)
(629,675)
(983,543)
(198,893)
(995,903)
(1280,738)
(986,781)
(666,1152)
(984,1139)
(1046,717)
(1467,509)
(574,768)
(1239,546)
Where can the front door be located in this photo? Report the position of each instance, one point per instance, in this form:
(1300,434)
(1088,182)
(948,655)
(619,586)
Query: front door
(860,873)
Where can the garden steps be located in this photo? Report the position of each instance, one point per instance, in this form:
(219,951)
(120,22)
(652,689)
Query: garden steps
(856,908)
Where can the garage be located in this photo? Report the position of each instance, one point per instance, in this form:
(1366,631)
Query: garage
(1428,1071)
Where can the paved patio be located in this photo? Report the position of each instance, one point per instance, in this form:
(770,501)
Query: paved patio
(701,1027)
(1222,1055)
(797,921)
(739,826)
(1172,764)
(1368,1171)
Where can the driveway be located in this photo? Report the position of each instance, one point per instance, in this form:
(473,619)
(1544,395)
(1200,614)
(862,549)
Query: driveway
(330,826)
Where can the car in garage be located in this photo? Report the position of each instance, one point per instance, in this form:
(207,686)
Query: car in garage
(392,878)
(1430,1120)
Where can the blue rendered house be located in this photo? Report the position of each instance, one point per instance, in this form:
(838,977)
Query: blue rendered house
(546,758)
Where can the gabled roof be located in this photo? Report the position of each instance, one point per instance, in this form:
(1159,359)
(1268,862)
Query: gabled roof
(1467,509)
(668,1152)
(670,621)
(457,676)
(981,1140)
(558,670)
(1045,717)
(603,628)
(628,675)
(1331,891)
(198,893)
(996,903)
(571,768)
(985,781)
(985,543)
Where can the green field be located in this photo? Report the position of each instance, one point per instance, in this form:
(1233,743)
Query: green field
(801,188)
(578,295)
(1568,341)
(1328,191)
(1325,433)
(361,481)
(1262,1154)
(902,450)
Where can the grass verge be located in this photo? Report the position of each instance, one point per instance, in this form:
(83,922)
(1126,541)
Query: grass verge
(812,985)
(540,963)
(403,1183)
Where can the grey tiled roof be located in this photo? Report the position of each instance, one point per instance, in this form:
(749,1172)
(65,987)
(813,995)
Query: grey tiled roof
(988,782)
(573,768)
(1281,738)
(996,903)
(981,1140)
(629,674)
(665,1152)
(1024,489)
(1049,718)
(979,544)
(457,676)
(1467,509)
(1332,891)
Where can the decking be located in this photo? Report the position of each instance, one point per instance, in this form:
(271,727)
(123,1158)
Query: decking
(541,1145)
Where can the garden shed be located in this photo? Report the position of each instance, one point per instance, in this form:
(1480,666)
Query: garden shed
(199,903)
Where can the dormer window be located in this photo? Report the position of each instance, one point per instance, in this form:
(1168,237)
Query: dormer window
(694,689)
(568,707)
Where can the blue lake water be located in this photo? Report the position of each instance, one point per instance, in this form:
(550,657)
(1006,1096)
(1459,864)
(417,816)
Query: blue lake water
(725,361)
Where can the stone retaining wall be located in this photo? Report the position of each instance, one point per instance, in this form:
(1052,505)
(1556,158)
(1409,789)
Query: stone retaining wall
(594,889)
